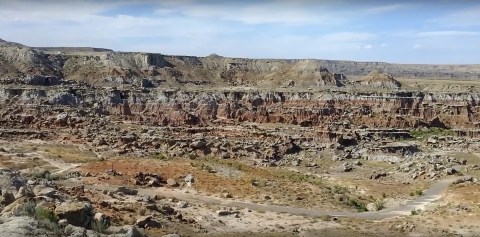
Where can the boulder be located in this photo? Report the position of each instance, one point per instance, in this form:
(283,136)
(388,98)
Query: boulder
(199,144)
(7,198)
(182,204)
(24,192)
(347,167)
(168,210)
(142,221)
(372,207)
(74,213)
(189,178)
(19,226)
(101,219)
(463,180)
(377,175)
(224,212)
(154,182)
(75,231)
(451,171)
(126,191)
(124,231)
(132,231)
(172,183)
(18,206)
(41,190)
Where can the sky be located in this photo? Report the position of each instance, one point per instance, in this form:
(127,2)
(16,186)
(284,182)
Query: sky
(428,32)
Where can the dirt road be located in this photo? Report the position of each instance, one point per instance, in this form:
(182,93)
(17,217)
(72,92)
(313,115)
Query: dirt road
(434,193)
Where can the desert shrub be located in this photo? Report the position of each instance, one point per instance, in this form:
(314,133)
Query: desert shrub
(361,207)
(27,209)
(415,212)
(57,177)
(160,156)
(42,213)
(192,156)
(428,132)
(41,174)
(338,189)
(56,230)
(380,204)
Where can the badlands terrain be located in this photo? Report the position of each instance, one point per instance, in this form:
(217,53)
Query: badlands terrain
(101,143)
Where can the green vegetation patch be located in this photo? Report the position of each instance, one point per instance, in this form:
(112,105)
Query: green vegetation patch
(428,132)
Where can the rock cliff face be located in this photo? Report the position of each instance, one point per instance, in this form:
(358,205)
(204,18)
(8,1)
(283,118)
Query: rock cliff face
(94,87)
(332,110)
(102,66)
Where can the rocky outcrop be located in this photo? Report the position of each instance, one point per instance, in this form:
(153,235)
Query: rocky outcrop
(75,213)
(380,80)
(102,66)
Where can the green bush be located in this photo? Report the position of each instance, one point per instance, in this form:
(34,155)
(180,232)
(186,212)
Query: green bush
(192,156)
(361,207)
(42,213)
(415,212)
(160,156)
(338,189)
(27,209)
(41,174)
(428,132)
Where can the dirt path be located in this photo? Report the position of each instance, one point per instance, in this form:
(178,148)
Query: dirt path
(434,193)
(57,163)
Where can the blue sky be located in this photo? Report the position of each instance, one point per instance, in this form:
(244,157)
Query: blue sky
(437,32)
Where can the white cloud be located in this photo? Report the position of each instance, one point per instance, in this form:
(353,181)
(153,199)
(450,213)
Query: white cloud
(267,12)
(368,46)
(349,37)
(389,8)
(447,33)
(462,18)
(44,12)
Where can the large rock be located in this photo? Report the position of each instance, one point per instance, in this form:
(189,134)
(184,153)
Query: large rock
(172,183)
(75,231)
(451,171)
(24,192)
(198,144)
(142,221)
(74,213)
(101,219)
(132,231)
(41,190)
(19,226)
(37,80)
(127,191)
(124,231)
(18,206)
(372,207)
(7,198)
(189,178)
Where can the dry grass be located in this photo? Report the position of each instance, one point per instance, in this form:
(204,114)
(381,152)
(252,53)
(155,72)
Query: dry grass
(21,164)
(68,153)
(285,187)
